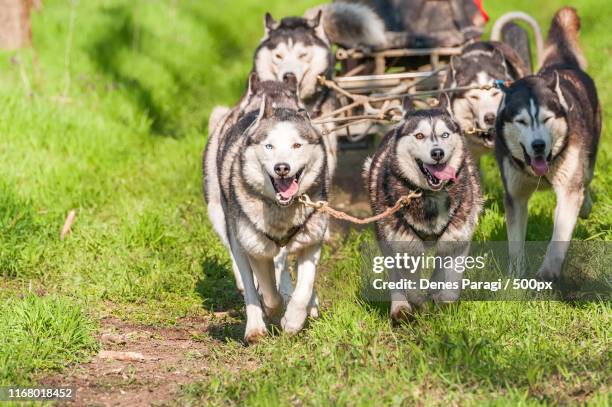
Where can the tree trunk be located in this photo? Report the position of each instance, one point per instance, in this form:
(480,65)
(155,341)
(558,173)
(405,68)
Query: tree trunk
(15,29)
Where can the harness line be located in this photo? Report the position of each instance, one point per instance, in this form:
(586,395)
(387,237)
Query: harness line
(384,115)
(323,206)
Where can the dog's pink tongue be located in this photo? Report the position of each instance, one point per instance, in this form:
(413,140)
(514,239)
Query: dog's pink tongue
(442,171)
(287,187)
(540,166)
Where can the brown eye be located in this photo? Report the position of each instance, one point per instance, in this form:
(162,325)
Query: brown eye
(419,136)
(278,55)
(474,97)
(302,55)
(297,145)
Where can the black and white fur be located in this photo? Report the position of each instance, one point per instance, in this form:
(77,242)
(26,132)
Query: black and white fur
(549,126)
(481,63)
(448,209)
(255,169)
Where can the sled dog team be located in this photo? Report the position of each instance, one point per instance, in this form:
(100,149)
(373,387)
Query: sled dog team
(265,152)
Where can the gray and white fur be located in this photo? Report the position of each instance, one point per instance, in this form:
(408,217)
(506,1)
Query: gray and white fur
(425,153)
(549,126)
(255,168)
(298,46)
(222,118)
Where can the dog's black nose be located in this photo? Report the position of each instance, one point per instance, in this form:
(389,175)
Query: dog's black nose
(289,77)
(538,146)
(282,169)
(489,119)
(437,154)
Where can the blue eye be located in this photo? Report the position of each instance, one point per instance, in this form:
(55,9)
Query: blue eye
(268,146)
(445,135)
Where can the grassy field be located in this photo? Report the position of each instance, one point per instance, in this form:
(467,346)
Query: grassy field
(107,117)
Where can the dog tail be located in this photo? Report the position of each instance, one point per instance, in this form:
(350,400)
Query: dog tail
(562,46)
(518,39)
(215,118)
(352,25)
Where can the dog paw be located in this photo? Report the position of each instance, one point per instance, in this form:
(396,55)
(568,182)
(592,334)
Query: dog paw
(516,268)
(293,321)
(254,335)
(273,314)
(313,312)
(445,297)
(549,273)
(313,307)
(402,312)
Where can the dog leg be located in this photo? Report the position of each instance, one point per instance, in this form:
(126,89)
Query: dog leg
(404,302)
(313,305)
(217,208)
(401,308)
(566,215)
(296,313)
(255,326)
(284,285)
(517,214)
(453,275)
(263,269)
(587,205)
(237,276)
(518,192)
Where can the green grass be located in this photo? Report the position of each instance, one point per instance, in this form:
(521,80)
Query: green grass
(41,333)
(114,129)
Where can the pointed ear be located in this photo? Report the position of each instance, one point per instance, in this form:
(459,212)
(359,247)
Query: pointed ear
(253,85)
(268,107)
(499,59)
(269,22)
(455,65)
(556,87)
(444,102)
(260,115)
(262,110)
(316,20)
(304,114)
(316,23)
(408,105)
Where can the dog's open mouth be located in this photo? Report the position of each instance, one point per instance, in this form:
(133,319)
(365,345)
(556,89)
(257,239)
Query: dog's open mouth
(437,174)
(286,187)
(539,164)
(488,138)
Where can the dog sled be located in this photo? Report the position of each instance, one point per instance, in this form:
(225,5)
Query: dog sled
(371,85)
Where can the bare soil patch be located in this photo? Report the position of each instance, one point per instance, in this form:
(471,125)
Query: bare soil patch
(141,365)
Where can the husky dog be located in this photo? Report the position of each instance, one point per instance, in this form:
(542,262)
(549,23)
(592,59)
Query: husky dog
(548,130)
(302,46)
(284,94)
(261,164)
(425,153)
(480,64)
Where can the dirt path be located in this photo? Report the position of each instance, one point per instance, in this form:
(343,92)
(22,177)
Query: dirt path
(161,359)
(171,357)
